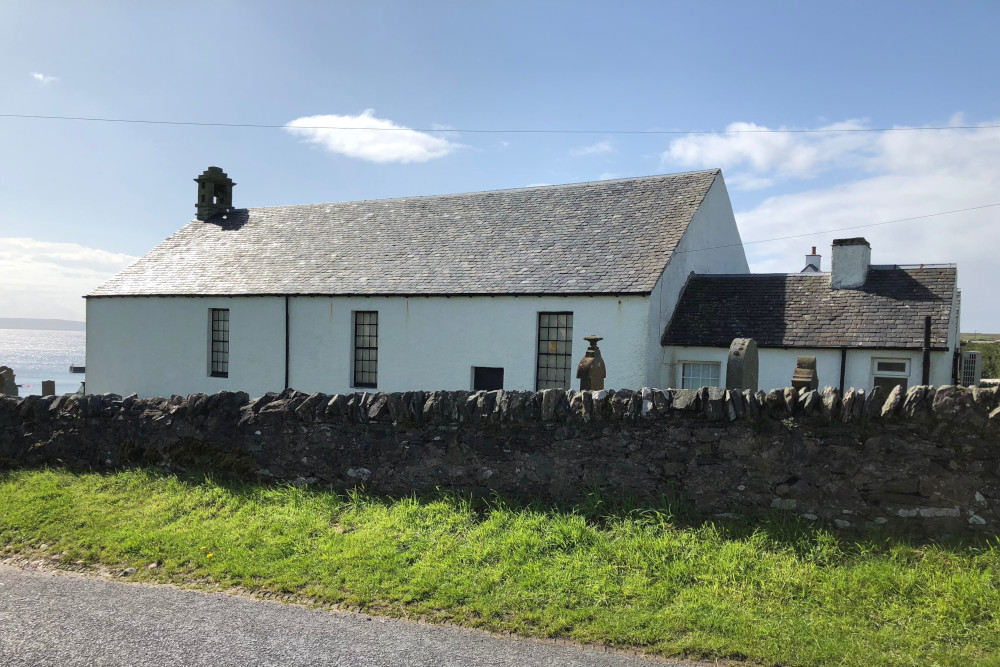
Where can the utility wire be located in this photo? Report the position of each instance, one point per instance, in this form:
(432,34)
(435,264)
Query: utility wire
(840,229)
(550,131)
(481,131)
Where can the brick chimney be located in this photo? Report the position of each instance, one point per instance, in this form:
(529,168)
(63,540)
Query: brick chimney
(851,259)
(215,193)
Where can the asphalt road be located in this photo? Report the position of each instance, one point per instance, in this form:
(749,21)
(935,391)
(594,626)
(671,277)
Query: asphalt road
(54,618)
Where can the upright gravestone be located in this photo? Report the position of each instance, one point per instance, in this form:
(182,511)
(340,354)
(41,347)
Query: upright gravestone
(805,377)
(8,387)
(741,368)
(48,387)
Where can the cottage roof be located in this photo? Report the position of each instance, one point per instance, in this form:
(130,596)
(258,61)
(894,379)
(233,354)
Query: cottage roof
(801,310)
(605,237)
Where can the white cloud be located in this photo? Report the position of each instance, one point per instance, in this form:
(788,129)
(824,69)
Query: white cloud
(608,175)
(376,140)
(600,148)
(772,156)
(43,78)
(906,174)
(46,279)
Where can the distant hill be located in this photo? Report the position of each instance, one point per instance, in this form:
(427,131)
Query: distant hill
(34,323)
(980,337)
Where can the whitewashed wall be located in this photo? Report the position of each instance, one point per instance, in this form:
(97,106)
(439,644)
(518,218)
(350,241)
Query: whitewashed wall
(954,332)
(433,343)
(159,346)
(777,365)
(712,226)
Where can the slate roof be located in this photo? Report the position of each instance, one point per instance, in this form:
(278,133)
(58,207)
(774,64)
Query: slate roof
(605,237)
(800,310)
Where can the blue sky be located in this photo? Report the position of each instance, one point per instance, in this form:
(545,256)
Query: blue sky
(79,200)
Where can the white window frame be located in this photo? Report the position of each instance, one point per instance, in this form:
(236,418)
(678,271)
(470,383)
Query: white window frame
(701,375)
(877,373)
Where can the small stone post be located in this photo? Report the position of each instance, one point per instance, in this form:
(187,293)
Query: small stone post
(48,387)
(591,371)
(8,387)
(805,377)
(741,368)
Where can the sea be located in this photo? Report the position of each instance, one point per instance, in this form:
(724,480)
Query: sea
(37,355)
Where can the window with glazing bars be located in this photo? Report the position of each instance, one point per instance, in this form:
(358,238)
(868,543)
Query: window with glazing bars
(698,374)
(366,348)
(220,343)
(555,343)
(887,373)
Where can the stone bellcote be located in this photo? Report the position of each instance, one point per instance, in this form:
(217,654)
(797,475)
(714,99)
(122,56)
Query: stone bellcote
(215,193)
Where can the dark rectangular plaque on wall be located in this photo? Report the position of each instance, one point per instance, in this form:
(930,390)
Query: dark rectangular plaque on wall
(486,378)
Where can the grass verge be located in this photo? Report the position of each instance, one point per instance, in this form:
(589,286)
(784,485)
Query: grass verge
(777,592)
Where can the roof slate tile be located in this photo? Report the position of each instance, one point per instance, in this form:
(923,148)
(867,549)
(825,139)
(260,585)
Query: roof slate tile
(602,237)
(800,310)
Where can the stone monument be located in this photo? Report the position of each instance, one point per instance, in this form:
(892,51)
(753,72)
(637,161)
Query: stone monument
(7,385)
(805,377)
(48,387)
(591,370)
(741,368)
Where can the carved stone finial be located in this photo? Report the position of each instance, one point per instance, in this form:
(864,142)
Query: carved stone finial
(591,370)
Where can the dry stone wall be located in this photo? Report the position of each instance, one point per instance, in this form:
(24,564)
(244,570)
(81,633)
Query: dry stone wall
(925,462)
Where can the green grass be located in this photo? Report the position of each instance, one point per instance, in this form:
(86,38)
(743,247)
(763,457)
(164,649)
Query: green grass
(776,592)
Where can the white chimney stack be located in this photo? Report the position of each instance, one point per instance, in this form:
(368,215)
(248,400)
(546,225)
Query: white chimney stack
(814,260)
(851,259)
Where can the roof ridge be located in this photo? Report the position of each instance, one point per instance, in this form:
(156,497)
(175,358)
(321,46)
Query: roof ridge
(889,267)
(790,274)
(820,274)
(649,177)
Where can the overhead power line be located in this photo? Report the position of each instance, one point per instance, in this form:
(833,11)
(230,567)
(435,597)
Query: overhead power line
(141,121)
(841,229)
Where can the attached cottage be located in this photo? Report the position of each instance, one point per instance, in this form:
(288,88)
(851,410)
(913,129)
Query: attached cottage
(484,290)
(866,325)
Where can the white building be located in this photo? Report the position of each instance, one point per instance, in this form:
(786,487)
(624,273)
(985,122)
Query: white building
(480,290)
(866,325)
(497,289)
